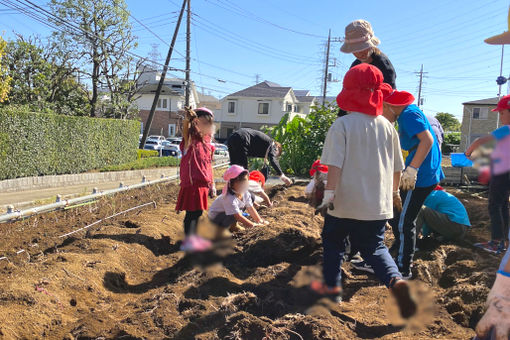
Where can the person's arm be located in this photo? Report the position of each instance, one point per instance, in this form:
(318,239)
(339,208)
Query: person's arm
(477,143)
(424,147)
(274,162)
(254,214)
(334,174)
(243,220)
(397,200)
(266,198)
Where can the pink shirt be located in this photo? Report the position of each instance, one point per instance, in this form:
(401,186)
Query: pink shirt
(501,154)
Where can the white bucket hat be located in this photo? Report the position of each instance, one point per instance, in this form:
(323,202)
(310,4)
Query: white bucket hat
(359,36)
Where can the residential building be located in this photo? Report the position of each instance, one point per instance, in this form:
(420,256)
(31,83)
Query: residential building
(478,120)
(169,111)
(263,104)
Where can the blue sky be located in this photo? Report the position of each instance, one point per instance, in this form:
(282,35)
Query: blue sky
(283,41)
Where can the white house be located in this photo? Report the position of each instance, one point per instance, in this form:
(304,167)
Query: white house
(168,114)
(263,104)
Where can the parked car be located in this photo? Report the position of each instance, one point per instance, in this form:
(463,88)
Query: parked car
(170,149)
(155,137)
(152,144)
(175,140)
(221,149)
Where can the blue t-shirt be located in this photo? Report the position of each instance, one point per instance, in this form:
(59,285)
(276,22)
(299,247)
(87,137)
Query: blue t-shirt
(449,205)
(411,122)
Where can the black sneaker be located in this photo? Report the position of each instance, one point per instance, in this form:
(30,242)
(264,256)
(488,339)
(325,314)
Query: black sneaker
(362,266)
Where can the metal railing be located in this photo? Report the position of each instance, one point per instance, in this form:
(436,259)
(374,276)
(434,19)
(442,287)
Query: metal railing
(13,215)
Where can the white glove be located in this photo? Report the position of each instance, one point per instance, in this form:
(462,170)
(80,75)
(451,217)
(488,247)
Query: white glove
(329,197)
(285,179)
(409,177)
(212,191)
(497,316)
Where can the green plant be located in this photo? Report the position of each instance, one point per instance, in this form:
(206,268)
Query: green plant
(146,153)
(144,163)
(36,144)
(451,140)
(302,138)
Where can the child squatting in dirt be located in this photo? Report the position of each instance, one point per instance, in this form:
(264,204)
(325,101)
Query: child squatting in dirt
(196,174)
(362,152)
(227,210)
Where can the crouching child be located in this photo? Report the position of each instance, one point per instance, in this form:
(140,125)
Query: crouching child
(256,185)
(314,191)
(362,151)
(227,210)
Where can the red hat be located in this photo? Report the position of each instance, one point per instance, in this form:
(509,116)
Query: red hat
(503,104)
(362,90)
(317,166)
(257,176)
(438,188)
(397,98)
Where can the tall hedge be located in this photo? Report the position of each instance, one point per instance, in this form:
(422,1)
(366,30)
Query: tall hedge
(34,144)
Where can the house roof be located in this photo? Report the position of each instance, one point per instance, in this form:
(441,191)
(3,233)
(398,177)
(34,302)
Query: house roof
(302,93)
(264,89)
(488,101)
(207,98)
(305,99)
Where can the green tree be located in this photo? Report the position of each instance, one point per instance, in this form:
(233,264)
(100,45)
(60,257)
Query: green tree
(451,140)
(42,77)
(5,79)
(302,139)
(98,32)
(449,122)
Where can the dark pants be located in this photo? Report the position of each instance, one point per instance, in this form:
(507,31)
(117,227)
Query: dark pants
(499,191)
(404,225)
(238,151)
(223,220)
(191,222)
(367,237)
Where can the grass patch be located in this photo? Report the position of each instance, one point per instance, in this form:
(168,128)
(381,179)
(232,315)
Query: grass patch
(144,163)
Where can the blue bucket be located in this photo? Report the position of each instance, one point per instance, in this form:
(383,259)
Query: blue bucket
(459,160)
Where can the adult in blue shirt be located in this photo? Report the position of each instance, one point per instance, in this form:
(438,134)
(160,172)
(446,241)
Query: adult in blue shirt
(443,214)
(421,175)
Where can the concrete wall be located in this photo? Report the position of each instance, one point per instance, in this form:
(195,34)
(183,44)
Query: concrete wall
(479,127)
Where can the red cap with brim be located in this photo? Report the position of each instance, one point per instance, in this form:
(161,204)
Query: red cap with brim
(503,104)
(317,166)
(361,90)
(396,98)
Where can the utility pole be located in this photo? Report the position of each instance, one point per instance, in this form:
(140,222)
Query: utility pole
(421,73)
(162,79)
(257,78)
(188,53)
(325,88)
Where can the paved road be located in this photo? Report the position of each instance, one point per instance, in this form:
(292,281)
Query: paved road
(24,199)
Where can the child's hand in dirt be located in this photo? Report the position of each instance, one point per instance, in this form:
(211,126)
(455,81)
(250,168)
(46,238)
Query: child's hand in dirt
(264,222)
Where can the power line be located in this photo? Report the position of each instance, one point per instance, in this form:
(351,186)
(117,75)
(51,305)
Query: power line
(232,7)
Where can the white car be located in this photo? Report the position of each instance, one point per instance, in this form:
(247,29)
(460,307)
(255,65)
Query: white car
(153,144)
(155,137)
(220,149)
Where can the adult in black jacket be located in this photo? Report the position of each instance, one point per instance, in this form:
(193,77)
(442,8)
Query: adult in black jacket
(362,43)
(247,142)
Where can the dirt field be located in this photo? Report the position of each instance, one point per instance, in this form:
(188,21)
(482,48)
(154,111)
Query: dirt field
(127,279)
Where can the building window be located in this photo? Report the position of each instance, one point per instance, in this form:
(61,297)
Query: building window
(162,103)
(180,105)
(296,108)
(231,107)
(171,130)
(289,107)
(480,113)
(263,108)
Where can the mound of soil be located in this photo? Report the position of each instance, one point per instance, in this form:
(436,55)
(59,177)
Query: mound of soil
(126,278)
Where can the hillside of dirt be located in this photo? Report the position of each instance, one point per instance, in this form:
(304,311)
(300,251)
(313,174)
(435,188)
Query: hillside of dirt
(125,278)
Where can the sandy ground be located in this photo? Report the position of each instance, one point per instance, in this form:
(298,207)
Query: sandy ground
(127,279)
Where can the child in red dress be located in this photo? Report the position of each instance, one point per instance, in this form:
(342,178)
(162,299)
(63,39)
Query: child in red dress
(196,174)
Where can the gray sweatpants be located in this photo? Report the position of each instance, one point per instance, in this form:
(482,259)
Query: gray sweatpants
(440,223)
